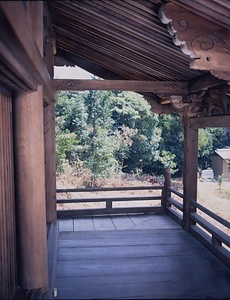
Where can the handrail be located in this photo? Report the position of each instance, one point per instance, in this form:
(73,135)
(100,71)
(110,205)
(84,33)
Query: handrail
(103,199)
(176,192)
(109,209)
(216,238)
(105,189)
(211,214)
(173,205)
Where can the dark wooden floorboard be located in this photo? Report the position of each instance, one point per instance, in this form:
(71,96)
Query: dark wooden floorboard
(103,223)
(122,222)
(117,222)
(83,224)
(159,263)
(66,225)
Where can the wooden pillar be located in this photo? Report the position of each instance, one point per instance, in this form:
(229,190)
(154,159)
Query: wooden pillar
(30,189)
(30,174)
(167,184)
(50,162)
(49,125)
(190,169)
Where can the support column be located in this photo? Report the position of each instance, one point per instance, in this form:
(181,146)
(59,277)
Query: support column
(165,192)
(50,163)
(30,173)
(190,169)
(49,125)
(30,189)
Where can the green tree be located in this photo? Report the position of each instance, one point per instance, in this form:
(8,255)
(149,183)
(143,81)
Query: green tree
(134,113)
(171,145)
(205,148)
(65,145)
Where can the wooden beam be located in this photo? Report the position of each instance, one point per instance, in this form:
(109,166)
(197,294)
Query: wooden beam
(156,87)
(190,170)
(18,43)
(212,121)
(204,83)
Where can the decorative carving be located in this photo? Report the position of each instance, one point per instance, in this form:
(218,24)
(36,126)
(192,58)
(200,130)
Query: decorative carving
(225,75)
(207,43)
(178,104)
(210,103)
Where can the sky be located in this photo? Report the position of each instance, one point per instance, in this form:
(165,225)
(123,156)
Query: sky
(71,73)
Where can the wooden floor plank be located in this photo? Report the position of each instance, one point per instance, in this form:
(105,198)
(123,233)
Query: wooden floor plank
(139,219)
(159,263)
(66,225)
(138,278)
(122,222)
(150,289)
(127,251)
(156,222)
(83,224)
(176,264)
(103,223)
(125,238)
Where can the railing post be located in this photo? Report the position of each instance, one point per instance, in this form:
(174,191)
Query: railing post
(165,192)
(109,204)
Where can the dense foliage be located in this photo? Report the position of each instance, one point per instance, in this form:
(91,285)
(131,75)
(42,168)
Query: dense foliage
(107,132)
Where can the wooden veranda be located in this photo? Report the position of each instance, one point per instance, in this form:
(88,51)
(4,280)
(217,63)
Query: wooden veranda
(173,52)
(135,256)
(140,251)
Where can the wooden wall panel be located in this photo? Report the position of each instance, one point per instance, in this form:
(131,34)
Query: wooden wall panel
(7,202)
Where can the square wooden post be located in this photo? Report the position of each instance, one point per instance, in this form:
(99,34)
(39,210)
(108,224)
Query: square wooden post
(49,125)
(165,192)
(50,163)
(190,169)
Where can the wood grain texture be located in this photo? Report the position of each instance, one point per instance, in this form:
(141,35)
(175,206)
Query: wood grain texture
(30,177)
(7,202)
(212,121)
(157,87)
(190,169)
(30,188)
(117,222)
(138,264)
(50,162)
(30,67)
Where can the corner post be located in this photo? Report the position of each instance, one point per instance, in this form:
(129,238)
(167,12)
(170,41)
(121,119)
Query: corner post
(190,169)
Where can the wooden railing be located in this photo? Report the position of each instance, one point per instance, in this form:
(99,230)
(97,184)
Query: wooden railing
(109,201)
(216,240)
(174,208)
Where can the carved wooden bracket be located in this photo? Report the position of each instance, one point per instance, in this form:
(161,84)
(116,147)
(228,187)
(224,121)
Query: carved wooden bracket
(207,43)
(210,102)
(214,102)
